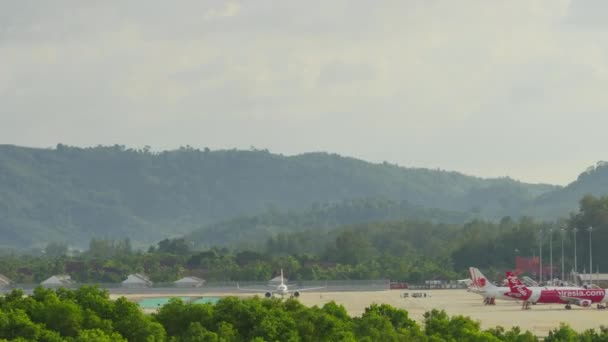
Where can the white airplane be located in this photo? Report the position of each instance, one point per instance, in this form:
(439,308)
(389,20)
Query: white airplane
(483,287)
(282,289)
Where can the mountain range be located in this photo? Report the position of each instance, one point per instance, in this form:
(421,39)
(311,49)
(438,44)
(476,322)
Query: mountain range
(72,194)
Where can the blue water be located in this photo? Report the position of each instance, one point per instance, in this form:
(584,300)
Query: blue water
(157,302)
(206,300)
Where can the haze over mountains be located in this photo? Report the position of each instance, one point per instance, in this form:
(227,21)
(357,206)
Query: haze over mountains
(72,194)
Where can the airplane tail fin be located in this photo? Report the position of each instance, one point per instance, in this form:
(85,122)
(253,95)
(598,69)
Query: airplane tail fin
(517,287)
(480,282)
(513,280)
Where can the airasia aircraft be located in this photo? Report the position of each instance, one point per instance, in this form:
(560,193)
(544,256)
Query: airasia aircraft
(490,292)
(580,296)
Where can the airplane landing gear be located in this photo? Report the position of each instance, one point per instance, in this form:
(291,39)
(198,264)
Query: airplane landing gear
(489,301)
(525,306)
(568,307)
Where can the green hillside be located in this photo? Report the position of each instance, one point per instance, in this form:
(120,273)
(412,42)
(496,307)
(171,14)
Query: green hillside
(71,194)
(251,231)
(560,202)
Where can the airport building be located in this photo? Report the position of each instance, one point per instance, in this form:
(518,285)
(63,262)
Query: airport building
(599,279)
(189,282)
(137,280)
(60,280)
(4,281)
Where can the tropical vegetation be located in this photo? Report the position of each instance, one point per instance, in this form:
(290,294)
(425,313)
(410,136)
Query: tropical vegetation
(88,314)
(401,250)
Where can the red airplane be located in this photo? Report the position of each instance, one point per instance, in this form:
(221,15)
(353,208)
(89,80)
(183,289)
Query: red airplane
(581,297)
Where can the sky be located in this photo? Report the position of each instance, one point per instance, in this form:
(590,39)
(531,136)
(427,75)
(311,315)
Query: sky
(486,87)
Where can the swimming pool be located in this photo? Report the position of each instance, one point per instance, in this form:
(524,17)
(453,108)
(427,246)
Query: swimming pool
(157,302)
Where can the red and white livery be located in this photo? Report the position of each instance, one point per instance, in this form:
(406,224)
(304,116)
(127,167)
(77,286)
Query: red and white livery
(569,296)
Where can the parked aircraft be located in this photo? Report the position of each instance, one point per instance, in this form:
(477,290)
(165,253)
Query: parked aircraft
(490,292)
(282,289)
(556,295)
(483,287)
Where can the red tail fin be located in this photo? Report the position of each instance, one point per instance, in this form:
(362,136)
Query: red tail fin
(518,289)
(513,278)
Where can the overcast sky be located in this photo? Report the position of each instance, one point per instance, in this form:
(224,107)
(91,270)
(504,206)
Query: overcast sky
(513,88)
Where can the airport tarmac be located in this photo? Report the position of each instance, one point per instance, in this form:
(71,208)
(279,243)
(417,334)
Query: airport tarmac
(540,319)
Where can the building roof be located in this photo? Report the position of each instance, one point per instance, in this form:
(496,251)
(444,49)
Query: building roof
(60,279)
(137,278)
(4,280)
(190,279)
(594,277)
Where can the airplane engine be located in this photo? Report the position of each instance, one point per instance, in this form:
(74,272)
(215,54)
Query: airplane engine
(267,294)
(585,303)
(296,294)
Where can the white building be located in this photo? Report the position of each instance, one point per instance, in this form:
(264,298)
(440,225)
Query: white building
(137,280)
(189,282)
(599,279)
(60,280)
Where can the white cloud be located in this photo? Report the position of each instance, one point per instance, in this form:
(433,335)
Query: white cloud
(227,10)
(489,88)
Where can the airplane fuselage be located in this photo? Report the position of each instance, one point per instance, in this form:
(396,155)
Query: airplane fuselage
(505,292)
(558,295)
(282,290)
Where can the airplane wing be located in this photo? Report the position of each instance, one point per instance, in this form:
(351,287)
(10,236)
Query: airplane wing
(476,290)
(308,289)
(251,290)
(576,301)
(569,300)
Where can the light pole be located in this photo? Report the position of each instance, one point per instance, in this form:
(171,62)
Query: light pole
(540,255)
(551,254)
(563,230)
(516,251)
(574,231)
(590,258)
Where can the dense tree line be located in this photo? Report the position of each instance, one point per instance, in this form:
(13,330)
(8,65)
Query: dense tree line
(403,250)
(218,264)
(72,194)
(87,314)
(252,231)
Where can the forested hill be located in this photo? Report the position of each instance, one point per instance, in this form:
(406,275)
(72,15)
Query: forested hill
(250,232)
(70,194)
(594,181)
